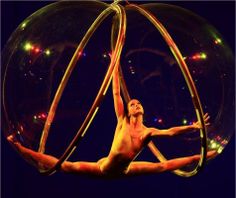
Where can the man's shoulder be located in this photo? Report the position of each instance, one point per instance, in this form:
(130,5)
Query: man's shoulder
(150,130)
(146,130)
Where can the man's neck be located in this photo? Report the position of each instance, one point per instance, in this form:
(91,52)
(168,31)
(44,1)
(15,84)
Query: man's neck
(136,121)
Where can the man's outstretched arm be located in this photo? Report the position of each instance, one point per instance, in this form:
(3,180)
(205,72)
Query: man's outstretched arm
(118,102)
(180,129)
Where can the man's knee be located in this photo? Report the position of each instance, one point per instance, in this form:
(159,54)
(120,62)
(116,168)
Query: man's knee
(103,166)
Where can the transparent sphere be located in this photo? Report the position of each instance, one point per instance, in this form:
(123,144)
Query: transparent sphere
(37,55)
(152,75)
(35,60)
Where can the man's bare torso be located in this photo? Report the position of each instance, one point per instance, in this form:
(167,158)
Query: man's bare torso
(128,142)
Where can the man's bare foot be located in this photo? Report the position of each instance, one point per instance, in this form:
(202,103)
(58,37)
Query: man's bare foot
(24,152)
(211,154)
(12,140)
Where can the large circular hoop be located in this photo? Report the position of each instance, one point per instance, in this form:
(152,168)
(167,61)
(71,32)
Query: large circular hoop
(191,86)
(102,91)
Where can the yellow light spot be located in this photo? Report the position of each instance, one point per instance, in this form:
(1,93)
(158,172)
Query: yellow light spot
(184,121)
(23,25)
(213,145)
(220,149)
(203,56)
(47,52)
(219,40)
(27,46)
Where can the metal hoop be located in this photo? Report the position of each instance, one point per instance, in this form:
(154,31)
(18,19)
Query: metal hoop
(102,91)
(191,86)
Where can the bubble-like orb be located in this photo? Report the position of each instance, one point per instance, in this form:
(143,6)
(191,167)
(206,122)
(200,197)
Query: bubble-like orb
(38,53)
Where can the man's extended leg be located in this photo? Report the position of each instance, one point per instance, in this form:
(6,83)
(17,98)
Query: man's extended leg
(138,168)
(44,161)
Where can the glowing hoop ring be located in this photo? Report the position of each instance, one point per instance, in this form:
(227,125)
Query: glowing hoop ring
(102,91)
(191,86)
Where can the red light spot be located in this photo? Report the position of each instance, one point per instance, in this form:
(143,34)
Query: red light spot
(79,54)
(43,115)
(36,50)
(218,138)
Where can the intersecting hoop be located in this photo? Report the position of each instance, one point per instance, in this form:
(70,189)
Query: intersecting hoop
(191,87)
(119,10)
(115,58)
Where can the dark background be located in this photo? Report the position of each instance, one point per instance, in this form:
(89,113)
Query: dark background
(217,180)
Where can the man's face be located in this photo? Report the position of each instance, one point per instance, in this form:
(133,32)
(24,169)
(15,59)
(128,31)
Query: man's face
(135,108)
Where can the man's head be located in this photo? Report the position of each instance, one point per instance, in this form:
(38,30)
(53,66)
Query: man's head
(134,108)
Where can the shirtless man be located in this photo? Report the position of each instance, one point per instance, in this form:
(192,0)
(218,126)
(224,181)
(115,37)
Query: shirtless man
(131,136)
